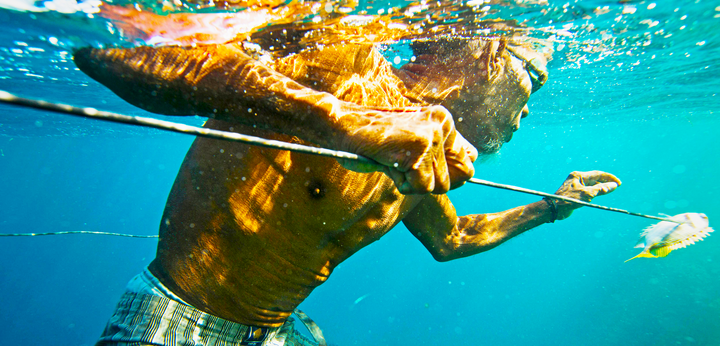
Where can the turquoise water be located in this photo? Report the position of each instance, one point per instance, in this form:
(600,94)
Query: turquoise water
(633,93)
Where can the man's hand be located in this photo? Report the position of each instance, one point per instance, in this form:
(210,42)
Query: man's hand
(584,186)
(419,148)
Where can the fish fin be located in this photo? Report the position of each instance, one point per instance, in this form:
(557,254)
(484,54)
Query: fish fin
(661,224)
(646,230)
(645,254)
(684,236)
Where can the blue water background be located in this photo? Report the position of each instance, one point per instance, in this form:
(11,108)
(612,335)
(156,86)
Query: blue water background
(653,124)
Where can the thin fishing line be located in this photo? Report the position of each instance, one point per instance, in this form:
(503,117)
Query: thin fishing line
(76,232)
(236,137)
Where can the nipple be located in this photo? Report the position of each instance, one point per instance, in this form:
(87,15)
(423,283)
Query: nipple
(316,190)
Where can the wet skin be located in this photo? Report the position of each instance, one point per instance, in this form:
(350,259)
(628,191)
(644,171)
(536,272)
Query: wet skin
(249,232)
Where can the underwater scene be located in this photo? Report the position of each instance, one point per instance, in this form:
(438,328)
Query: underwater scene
(633,89)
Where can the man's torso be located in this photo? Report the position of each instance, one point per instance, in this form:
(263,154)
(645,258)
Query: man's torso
(249,232)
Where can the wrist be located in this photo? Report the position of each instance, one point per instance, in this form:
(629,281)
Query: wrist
(552,209)
(346,123)
(318,119)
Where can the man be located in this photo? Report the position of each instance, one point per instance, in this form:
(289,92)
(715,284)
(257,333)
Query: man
(249,232)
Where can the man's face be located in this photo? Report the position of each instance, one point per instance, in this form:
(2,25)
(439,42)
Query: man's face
(488,111)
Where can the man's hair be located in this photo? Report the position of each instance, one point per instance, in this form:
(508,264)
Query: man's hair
(452,45)
(469,60)
(446,65)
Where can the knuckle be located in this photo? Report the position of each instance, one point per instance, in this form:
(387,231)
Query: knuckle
(441,190)
(425,189)
(441,115)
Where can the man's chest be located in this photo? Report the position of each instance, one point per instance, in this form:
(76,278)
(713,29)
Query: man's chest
(265,191)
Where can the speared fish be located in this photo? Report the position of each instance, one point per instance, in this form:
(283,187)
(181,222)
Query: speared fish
(661,238)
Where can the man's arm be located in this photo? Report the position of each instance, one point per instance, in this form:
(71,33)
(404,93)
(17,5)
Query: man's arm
(448,237)
(215,81)
(417,147)
(435,223)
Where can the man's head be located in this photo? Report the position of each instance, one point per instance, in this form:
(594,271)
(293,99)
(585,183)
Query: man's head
(485,83)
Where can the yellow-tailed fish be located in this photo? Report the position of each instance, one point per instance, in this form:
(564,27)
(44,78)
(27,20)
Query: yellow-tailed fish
(661,238)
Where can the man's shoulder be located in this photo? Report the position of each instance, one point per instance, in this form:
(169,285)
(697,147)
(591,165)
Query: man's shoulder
(356,73)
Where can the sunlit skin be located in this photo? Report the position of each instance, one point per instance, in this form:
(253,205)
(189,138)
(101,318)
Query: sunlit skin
(249,232)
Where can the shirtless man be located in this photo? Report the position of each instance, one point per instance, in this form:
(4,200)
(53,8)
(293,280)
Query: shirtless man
(249,232)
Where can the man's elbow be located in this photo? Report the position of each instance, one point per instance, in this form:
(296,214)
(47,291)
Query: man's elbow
(444,253)
(447,252)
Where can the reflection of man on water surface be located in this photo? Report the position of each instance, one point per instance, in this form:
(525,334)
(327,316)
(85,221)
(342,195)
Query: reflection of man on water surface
(249,232)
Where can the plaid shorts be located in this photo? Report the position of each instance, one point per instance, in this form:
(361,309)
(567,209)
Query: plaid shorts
(155,319)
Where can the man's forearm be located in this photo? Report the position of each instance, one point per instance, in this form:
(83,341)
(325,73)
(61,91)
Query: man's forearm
(477,233)
(220,82)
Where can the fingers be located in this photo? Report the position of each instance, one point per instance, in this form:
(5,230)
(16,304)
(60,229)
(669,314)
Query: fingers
(584,186)
(594,177)
(431,176)
(420,149)
(452,165)
(440,172)
(398,178)
(598,183)
(460,161)
(603,188)
(420,182)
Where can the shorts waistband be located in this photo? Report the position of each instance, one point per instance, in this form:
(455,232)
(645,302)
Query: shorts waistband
(147,283)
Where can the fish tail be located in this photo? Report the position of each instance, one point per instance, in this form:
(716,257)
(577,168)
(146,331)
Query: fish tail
(645,254)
